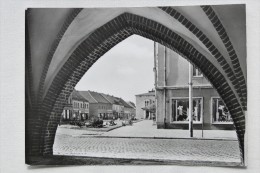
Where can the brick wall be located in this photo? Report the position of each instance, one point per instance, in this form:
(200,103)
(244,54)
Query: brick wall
(92,48)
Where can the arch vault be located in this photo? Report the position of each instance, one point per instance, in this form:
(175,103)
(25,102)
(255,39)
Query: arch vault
(62,44)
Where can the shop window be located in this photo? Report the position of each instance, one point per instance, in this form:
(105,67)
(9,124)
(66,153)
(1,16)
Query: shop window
(180,110)
(196,72)
(220,113)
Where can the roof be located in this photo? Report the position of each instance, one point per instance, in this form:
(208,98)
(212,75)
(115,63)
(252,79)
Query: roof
(98,97)
(112,99)
(77,96)
(88,96)
(95,97)
(131,104)
(125,104)
(150,93)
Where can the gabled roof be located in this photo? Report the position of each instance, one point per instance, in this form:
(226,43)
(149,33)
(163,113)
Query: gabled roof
(98,97)
(112,99)
(75,95)
(95,97)
(88,96)
(125,104)
(131,104)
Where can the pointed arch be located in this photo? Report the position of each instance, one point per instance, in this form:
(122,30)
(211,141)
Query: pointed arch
(101,41)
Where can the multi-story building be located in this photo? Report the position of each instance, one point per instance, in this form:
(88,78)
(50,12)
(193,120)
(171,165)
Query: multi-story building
(117,109)
(133,109)
(171,82)
(127,110)
(145,105)
(98,105)
(77,108)
(106,106)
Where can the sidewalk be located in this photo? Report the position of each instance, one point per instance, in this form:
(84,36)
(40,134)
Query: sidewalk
(146,129)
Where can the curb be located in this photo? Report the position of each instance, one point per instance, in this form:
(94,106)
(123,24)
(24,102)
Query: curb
(143,137)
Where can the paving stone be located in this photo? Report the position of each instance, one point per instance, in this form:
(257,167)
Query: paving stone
(137,142)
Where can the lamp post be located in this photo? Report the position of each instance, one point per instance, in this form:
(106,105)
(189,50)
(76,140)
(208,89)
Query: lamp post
(190,101)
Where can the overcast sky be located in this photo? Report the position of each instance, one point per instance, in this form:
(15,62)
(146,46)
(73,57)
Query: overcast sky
(124,71)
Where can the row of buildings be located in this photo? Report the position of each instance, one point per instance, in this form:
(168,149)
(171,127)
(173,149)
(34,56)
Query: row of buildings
(84,105)
(169,103)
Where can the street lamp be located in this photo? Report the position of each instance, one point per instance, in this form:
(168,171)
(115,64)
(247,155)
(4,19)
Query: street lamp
(190,101)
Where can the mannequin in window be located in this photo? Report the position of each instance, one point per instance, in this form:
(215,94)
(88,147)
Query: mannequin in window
(181,114)
(222,113)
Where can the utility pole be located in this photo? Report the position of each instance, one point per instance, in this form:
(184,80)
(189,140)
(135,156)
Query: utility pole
(190,101)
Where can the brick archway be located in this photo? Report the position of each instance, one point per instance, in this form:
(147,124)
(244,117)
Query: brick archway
(236,77)
(101,41)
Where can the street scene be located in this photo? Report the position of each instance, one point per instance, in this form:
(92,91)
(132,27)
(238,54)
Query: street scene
(134,86)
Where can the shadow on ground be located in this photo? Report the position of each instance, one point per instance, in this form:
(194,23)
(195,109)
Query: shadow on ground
(39,162)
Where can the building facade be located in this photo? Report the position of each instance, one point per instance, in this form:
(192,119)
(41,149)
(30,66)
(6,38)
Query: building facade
(133,109)
(106,106)
(117,109)
(77,108)
(99,106)
(172,95)
(128,109)
(145,104)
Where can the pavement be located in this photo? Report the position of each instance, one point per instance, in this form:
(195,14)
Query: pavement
(143,141)
(146,129)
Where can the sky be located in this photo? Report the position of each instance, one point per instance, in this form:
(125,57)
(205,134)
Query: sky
(124,71)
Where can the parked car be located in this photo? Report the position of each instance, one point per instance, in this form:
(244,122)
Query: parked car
(95,122)
(112,123)
(77,123)
(127,122)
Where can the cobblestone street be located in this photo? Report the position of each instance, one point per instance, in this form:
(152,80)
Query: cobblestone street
(137,148)
(116,144)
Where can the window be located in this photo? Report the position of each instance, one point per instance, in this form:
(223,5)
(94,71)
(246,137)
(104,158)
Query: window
(180,110)
(196,72)
(220,113)
(146,103)
(64,114)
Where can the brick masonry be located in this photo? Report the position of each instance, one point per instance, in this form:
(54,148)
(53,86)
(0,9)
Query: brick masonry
(90,50)
(240,82)
(215,52)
